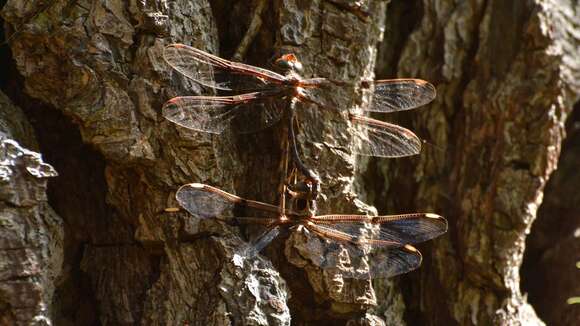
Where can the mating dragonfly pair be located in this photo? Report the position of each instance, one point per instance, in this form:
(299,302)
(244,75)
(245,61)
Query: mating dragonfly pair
(268,97)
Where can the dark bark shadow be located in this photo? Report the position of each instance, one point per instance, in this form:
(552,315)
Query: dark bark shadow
(549,273)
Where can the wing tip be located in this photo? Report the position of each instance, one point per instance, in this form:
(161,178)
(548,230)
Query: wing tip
(195,185)
(411,249)
(414,251)
(438,218)
(433,90)
(433,216)
(185,188)
(427,94)
(176,45)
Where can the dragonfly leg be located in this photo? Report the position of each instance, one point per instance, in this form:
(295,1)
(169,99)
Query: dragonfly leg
(283,202)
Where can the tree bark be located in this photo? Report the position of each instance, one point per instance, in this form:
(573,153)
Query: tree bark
(550,271)
(506,75)
(31,234)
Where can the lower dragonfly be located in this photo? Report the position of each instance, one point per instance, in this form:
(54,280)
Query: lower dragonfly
(354,236)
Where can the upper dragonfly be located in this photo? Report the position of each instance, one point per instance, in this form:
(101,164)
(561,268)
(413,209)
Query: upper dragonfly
(337,235)
(261,92)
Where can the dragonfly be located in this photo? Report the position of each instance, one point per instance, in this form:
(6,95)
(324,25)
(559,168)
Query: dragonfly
(265,94)
(261,94)
(344,240)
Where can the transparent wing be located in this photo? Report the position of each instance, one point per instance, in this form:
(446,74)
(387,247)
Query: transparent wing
(242,113)
(215,72)
(252,249)
(392,262)
(382,139)
(410,228)
(372,259)
(393,230)
(392,95)
(204,202)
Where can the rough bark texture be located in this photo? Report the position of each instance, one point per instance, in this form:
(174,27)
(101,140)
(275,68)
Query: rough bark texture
(31,234)
(551,275)
(507,77)
(506,74)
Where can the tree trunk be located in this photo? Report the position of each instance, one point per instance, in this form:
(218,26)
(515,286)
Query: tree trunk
(31,235)
(506,75)
(550,264)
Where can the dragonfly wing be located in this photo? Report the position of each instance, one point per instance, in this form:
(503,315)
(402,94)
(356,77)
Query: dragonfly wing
(392,95)
(382,139)
(391,262)
(203,201)
(216,114)
(410,228)
(253,248)
(389,230)
(258,115)
(363,259)
(204,114)
(212,71)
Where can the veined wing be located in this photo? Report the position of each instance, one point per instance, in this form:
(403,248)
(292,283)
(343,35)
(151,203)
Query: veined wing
(354,258)
(213,114)
(212,71)
(203,202)
(391,262)
(382,139)
(394,230)
(392,95)
(254,247)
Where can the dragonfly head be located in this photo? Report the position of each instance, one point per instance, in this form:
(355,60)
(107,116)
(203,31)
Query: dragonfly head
(288,62)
